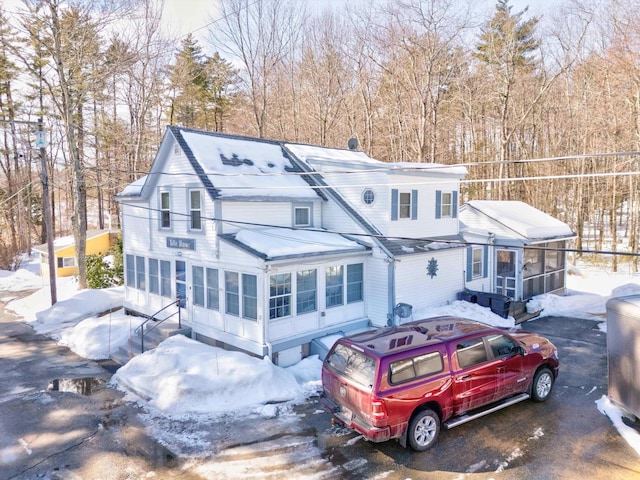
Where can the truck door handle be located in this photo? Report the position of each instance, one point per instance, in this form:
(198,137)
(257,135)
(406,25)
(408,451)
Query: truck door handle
(465,377)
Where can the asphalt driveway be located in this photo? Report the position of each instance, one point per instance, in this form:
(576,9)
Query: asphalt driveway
(564,438)
(48,430)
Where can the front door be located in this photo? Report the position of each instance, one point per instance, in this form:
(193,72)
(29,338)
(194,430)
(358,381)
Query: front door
(506,272)
(181,282)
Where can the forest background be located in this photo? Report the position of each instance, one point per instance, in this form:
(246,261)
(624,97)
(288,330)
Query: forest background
(545,109)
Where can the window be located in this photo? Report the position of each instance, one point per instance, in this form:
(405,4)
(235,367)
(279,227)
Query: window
(165,278)
(306,291)
(249,296)
(232,293)
(471,352)
(404,204)
(64,262)
(280,295)
(334,286)
(354,283)
(213,301)
(415,367)
(476,263)
(446,204)
(154,279)
(165,210)
(353,365)
(131,271)
(368,197)
(140,273)
(302,216)
(198,285)
(501,345)
(195,210)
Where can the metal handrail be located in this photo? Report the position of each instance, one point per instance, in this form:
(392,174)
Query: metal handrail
(159,321)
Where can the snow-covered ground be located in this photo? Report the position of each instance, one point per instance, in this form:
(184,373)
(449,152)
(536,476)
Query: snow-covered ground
(183,377)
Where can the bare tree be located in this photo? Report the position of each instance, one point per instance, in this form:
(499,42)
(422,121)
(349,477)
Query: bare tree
(259,34)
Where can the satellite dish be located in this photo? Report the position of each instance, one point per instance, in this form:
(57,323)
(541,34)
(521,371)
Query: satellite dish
(353,143)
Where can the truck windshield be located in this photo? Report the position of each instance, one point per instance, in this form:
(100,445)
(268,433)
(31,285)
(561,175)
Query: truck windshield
(352,364)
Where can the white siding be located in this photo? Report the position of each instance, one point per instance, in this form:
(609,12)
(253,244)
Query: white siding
(352,186)
(415,287)
(377,290)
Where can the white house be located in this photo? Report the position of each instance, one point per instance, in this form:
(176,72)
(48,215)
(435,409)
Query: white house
(270,245)
(515,249)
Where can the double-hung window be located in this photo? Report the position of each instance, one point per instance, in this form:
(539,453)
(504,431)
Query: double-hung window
(280,295)
(154,279)
(306,294)
(476,263)
(446,204)
(355,283)
(131,270)
(195,211)
(232,293)
(165,210)
(249,296)
(404,204)
(140,273)
(334,286)
(165,278)
(213,301)
(198,285)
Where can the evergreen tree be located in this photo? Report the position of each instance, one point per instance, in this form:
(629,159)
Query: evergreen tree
(199,85)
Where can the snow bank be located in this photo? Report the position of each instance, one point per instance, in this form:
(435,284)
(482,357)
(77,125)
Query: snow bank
(616,415)
(69,310)
(183,376)
(96,337)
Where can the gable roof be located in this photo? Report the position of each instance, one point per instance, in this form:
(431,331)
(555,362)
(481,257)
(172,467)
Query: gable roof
(512,219)
(61,243)
(230,167)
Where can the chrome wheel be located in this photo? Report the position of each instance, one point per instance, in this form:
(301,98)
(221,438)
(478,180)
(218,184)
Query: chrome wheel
(423,430)
(542,385)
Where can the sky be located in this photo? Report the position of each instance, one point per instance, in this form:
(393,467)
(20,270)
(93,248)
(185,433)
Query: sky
(170,383)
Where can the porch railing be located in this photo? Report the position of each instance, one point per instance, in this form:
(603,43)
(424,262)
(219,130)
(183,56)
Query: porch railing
(141,328)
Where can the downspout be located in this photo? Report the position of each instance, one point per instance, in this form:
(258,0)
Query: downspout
(266,270)
(391,281)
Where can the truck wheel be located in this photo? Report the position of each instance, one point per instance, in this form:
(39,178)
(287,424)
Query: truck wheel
(542,384)
(424,428)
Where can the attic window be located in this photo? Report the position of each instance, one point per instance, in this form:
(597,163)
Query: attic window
(176,148)
(302,216)
(368,196)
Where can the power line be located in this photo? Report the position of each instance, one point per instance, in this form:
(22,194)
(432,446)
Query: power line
(455,243)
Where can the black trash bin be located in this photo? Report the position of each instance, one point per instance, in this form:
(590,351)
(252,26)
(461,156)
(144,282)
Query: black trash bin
(498,303)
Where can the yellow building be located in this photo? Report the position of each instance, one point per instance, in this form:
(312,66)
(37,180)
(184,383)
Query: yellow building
(98,242)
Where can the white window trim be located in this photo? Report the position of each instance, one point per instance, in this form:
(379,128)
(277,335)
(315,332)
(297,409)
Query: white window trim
(162,210)
(309,208)
(191,210)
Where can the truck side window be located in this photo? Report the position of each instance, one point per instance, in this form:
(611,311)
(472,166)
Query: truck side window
(471,352)
(415,367)
(501,345)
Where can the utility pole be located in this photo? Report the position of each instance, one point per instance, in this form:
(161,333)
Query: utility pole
(41,142)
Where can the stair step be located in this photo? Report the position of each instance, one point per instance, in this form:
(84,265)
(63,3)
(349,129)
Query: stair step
(152,339)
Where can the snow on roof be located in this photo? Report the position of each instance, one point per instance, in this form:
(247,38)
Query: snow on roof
(311,152)
(134,188)
(522,218)
(333,156)
(279,242)
(247,168)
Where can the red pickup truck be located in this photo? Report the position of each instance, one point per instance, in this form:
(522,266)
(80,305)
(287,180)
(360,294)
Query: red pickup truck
(405,381)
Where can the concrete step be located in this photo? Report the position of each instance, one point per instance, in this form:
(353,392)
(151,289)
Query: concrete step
(155,334)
